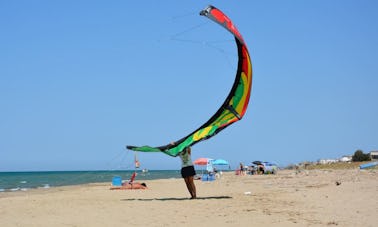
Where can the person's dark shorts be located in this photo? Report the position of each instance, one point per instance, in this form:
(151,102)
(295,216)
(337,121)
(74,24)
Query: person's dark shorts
(188,171)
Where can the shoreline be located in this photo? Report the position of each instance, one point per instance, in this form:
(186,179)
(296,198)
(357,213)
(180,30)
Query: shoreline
(25,181)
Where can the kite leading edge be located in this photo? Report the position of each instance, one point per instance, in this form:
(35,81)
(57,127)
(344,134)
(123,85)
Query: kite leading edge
(236,103)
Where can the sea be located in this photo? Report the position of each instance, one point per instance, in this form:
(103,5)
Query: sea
(23,181)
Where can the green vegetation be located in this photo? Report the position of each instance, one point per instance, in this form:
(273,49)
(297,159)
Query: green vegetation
(359,156)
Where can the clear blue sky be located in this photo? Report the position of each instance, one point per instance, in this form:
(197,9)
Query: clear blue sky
(79,80)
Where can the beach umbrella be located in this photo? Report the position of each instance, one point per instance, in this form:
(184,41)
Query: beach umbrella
(202,161)
(219,162)
(257,162)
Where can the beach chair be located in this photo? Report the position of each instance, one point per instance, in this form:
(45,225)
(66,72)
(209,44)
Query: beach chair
(208,177)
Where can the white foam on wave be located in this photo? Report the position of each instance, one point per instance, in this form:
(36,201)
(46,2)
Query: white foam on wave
(46,186)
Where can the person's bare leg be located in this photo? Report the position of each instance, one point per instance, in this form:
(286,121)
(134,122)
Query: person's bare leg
(188,185)
(192,187)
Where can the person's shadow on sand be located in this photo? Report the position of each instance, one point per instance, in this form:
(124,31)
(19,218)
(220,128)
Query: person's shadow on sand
(171,199)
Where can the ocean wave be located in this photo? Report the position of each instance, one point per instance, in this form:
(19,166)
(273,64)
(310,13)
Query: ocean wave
(46,186)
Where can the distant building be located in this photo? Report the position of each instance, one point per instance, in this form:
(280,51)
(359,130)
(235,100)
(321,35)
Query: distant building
(346,158)
(374,155)
(327,161)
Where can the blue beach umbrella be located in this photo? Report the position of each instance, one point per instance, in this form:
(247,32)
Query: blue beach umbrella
(219,162)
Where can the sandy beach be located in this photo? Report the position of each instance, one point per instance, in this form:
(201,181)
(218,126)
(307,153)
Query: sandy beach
(289,198)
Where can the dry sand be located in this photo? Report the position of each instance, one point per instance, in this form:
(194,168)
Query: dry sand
(306,198)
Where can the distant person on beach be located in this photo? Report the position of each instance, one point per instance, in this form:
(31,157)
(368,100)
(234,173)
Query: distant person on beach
(134,185)
(187,171)
(242,169)
(132,177)
(260,169)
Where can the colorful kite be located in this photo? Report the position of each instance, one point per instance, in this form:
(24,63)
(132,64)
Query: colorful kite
(235,105)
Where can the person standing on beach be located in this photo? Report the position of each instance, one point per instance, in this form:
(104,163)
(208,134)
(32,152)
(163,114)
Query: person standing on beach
(187,171)
(242,173)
